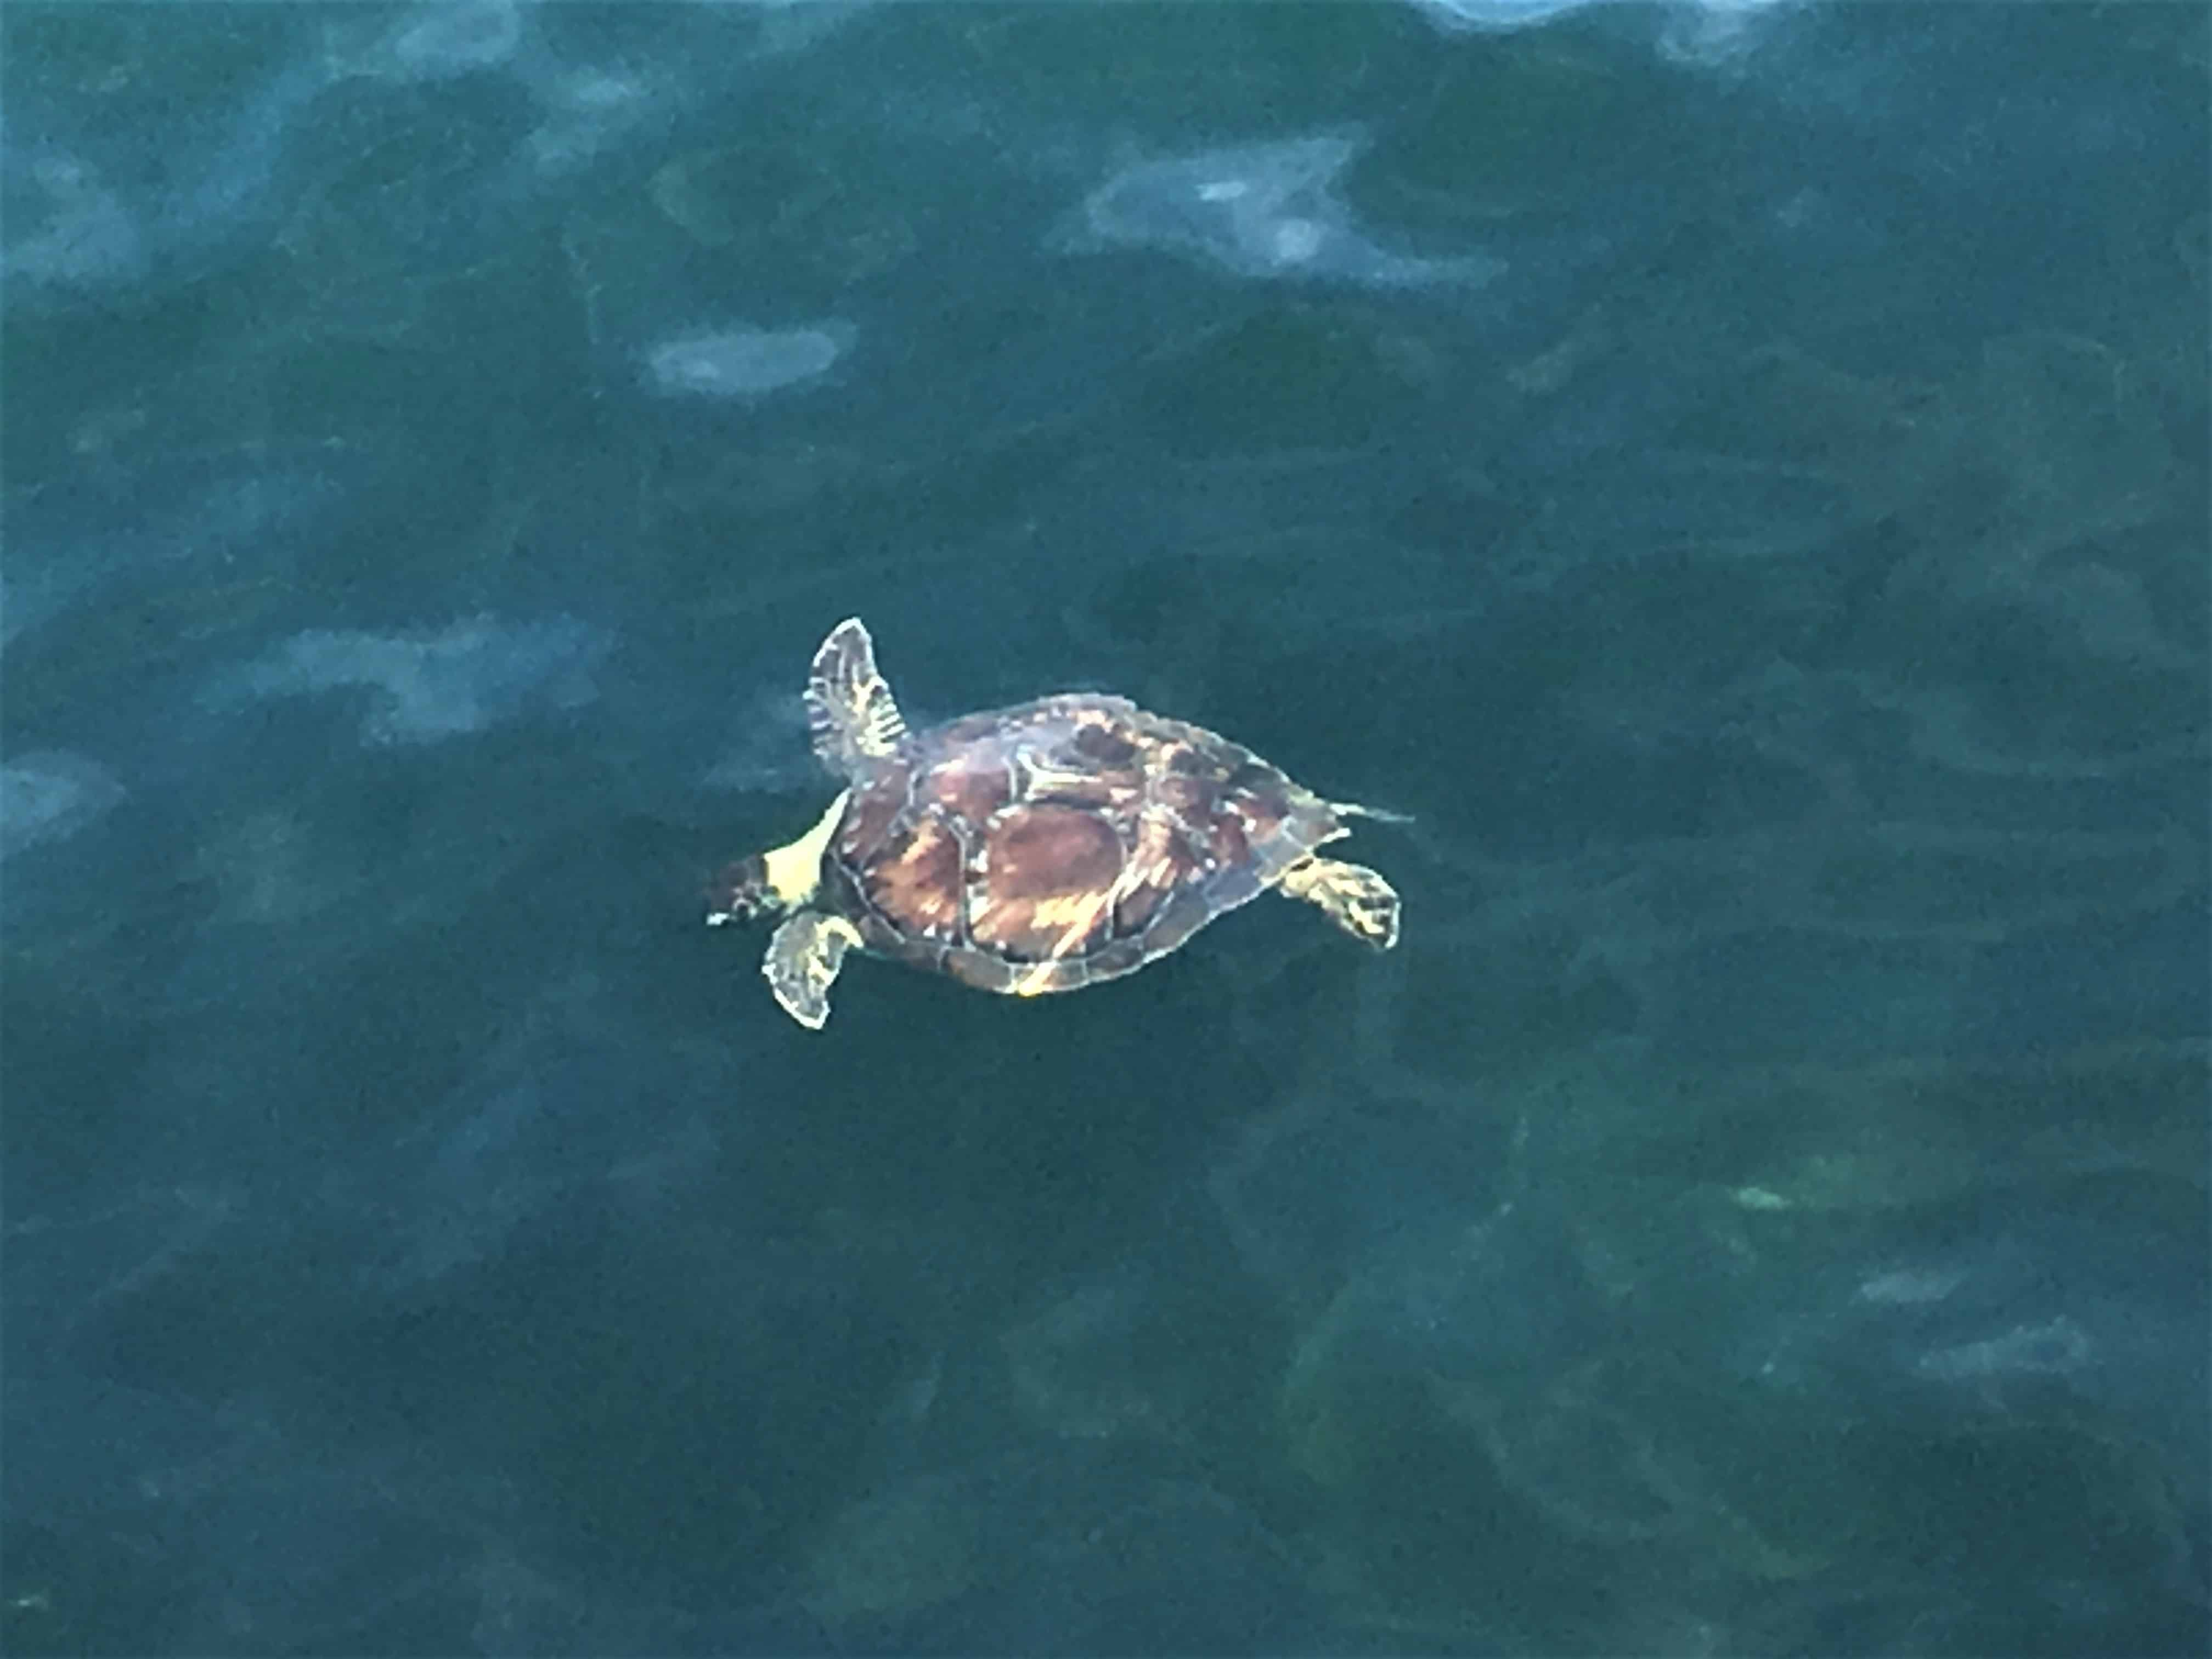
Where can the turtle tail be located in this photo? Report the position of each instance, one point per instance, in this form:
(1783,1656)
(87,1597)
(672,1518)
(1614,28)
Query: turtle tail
(1352,809)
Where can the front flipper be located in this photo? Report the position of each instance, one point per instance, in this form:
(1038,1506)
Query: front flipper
(848,705)
(1353,896)
(803,959)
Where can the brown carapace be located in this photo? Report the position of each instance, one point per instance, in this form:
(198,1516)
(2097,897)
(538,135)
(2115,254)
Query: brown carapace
(1038,848)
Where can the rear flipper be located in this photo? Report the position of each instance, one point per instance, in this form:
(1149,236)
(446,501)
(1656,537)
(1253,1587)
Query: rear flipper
(1352,895)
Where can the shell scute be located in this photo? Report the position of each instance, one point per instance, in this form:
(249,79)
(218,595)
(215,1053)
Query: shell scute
(1063,841)
(1101,746)
(1184,912)
(915,878)
(970,787)
(957,734)
(1042,891)
(1227,844)
(1161,862)
(1192,799)
(869,816)
(1110,792)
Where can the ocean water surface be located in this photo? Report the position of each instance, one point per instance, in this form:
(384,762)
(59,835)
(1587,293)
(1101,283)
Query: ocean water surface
(1733,474)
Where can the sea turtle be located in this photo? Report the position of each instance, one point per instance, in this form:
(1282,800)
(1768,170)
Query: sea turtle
(1038,848)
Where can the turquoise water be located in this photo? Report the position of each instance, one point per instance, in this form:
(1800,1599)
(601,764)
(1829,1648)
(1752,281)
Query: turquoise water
(1734,475)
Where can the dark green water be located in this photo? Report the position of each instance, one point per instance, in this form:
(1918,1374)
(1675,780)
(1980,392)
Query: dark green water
(1737,477)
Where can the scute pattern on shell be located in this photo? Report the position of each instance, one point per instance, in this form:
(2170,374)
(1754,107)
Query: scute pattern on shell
(1061,843)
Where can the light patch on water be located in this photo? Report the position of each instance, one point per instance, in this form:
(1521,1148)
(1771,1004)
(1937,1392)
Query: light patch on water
(1711,33)
(585,113)
(431,42)
(1265,211)
(1910,1287)
(159,205)
(451,38)
(1695,31)
(467,677)
(267,871)
(744,362)
(49,796)
(1497,16)
(563,1110)
(184,521)
(66,228)
(2057,1347)
(768,751)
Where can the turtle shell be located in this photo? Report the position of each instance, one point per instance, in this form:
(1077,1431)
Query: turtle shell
(1059,842)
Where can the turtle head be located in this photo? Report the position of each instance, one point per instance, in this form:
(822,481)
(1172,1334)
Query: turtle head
(742,892)
(782,879)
